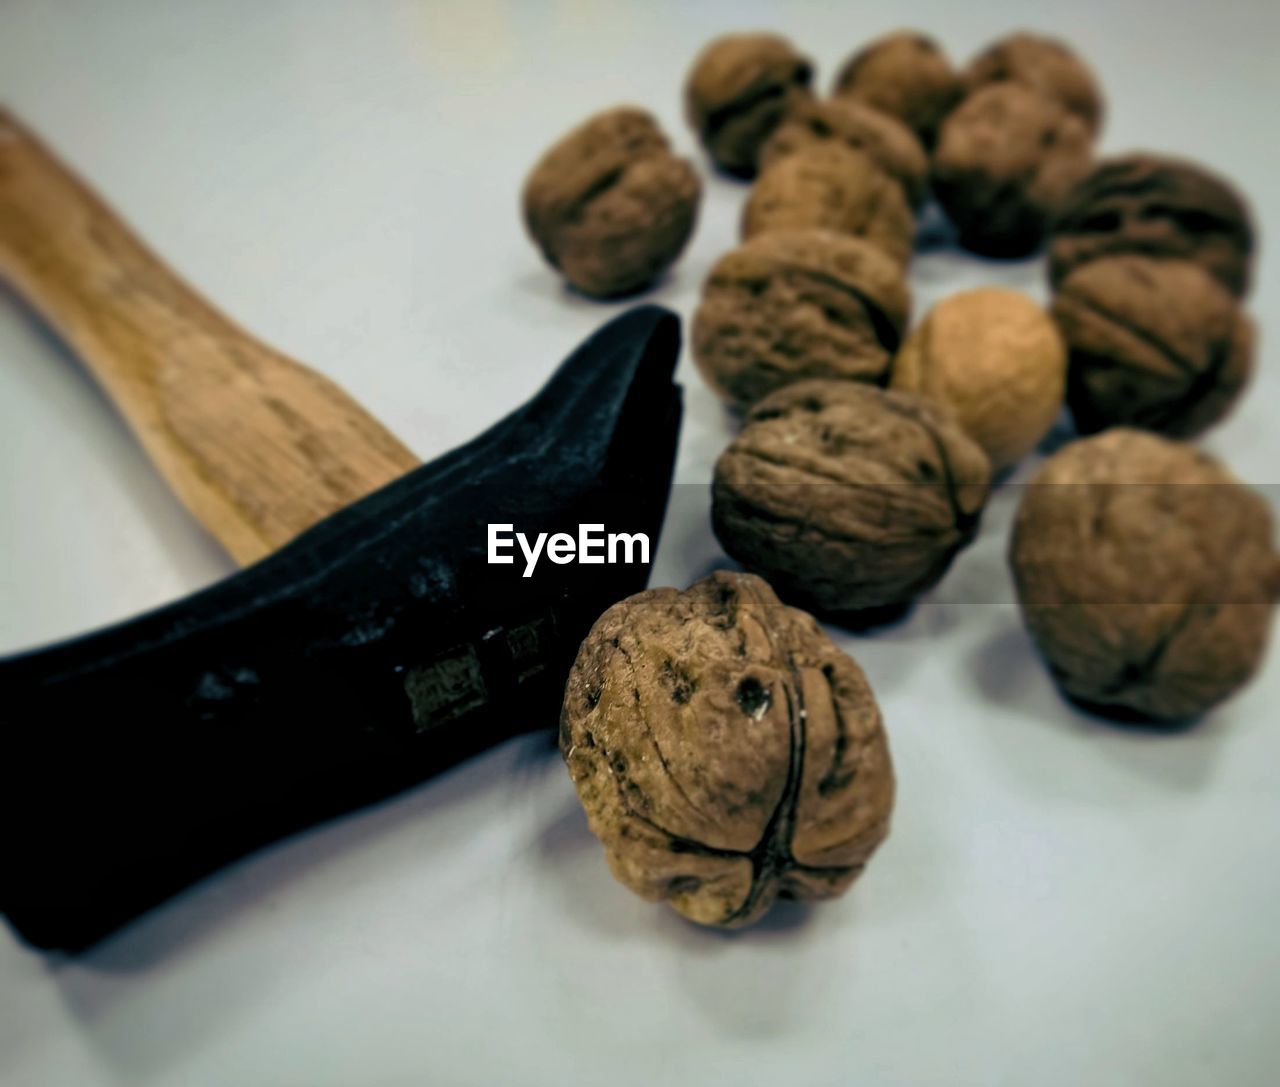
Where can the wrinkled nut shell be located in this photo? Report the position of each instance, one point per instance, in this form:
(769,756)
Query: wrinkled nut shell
(907,75)
(726,752)
(846,497)
(740,87)
(1156,206)
(832,187)
(1045,65)
(881,136)
(1146,575)
(1157,344)
(795,304)
(996,360)
(1006,161)
(609,205)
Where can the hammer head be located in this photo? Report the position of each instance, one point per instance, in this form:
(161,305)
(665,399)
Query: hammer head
(378,648)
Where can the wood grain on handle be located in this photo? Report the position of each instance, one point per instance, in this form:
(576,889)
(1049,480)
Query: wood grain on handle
(257,446)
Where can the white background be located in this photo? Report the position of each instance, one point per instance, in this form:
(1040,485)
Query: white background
(1060,902)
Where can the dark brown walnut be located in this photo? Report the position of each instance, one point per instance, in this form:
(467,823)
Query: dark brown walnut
(740,87)
(888,142)
(1006,160)
(797,304)
(609,205)
(1146,574)
(848,498)
(1156,206)
(905,74)
(1157,344)
(1045,65)
(726,752)
(832,187)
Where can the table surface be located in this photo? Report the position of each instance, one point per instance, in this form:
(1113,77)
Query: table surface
(1060,902)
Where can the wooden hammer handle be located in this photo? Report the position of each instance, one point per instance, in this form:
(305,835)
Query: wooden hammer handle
(257,446)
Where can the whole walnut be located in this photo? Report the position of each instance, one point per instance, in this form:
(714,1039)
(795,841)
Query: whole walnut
(1157,344)
(905,74)
(832,187)
(848,498)
(1045,65)
(609,205)
(1155,206)
(1007,158)
(996,359)
(889,143)
(740,87)
(726,752)
(1146,575)
(793,304)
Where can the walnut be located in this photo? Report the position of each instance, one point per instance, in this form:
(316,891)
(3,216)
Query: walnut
(905,74)
(848,498)
(996,360)
(726,752)
(1146,575)
(888,142)
(1045,65)
(1158,344)
(609,205)
(794,304)
(1156,206)
(1006,161)
(740,87)
(832,187)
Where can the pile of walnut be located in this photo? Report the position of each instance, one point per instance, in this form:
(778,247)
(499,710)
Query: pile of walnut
(726,752)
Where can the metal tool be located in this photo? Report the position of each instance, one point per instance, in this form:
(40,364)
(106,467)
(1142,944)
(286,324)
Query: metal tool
(375,649)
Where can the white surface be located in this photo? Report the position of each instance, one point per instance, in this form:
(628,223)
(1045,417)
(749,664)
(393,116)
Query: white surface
(1059,903)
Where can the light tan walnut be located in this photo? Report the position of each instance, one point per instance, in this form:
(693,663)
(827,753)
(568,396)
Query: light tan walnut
(726,752)
(1146,574)
(789,305)
(849,499)
(609,205)
(997,360)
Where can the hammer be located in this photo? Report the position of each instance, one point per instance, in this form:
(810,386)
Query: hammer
(370,644)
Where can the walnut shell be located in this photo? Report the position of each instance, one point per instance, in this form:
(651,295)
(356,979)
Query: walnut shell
(846,497)
(905,74)
(832,187)
(996,360)
(1146,574)
(609,205)
(1157,344)
(794,304)
(1156,206)
(1046,65)
(726,752)
(1006,161)
(740,87)
(888,142)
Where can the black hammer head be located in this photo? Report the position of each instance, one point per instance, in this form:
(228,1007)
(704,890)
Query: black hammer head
(378,648)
